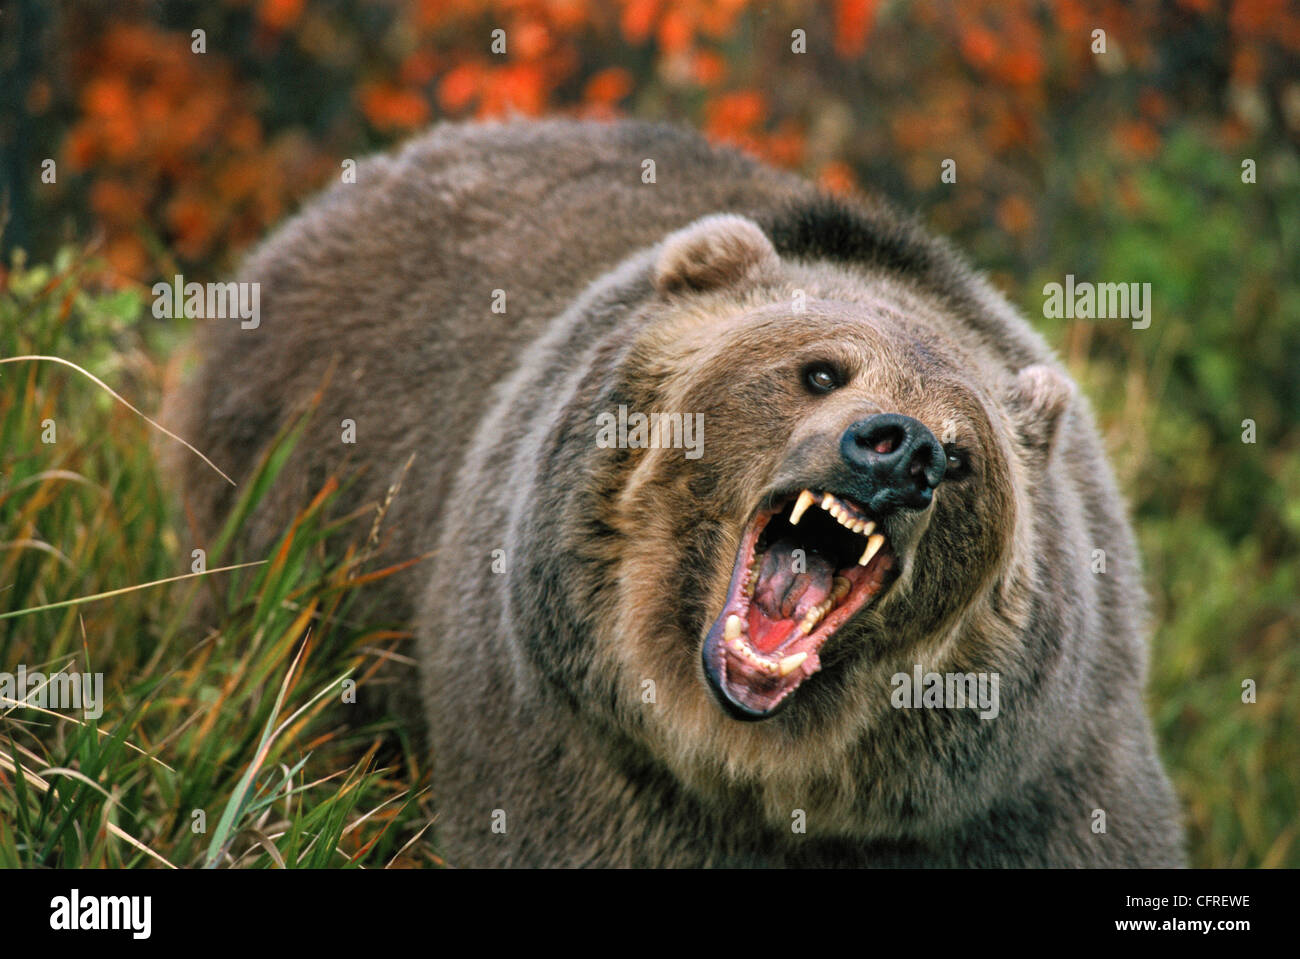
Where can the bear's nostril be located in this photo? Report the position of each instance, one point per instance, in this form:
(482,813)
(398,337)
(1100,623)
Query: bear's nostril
(883,441)
(897,455)
(889,442)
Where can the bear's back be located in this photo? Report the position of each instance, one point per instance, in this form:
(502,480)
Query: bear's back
(413,291)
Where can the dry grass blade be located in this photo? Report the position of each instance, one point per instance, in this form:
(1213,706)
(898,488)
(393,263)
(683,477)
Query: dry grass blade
(38,544)
(125,589)
(409,843)
(13,704)
(121,399)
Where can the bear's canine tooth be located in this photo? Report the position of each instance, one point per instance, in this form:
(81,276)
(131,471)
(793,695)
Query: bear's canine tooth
(840,588)
(733,628)
(801,505)
(791,663)
(873,547)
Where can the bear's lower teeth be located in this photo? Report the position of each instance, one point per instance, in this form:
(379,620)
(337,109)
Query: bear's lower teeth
(735,626)
(814,617)
(791,663)
(783,667)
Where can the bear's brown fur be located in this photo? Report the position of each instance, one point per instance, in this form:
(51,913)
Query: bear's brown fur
(573,587)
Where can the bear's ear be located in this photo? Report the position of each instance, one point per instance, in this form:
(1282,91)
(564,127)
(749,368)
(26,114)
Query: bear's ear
(714,252)
(1039,398)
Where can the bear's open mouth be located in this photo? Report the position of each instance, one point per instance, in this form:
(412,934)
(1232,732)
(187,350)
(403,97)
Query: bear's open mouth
(804,567)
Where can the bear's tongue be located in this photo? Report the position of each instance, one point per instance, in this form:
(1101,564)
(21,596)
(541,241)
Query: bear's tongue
(788,586)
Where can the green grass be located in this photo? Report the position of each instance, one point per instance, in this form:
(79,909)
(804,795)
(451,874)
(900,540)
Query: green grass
(1218,519)
(214,749)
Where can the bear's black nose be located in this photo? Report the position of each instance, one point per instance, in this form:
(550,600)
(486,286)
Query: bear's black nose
(898,457)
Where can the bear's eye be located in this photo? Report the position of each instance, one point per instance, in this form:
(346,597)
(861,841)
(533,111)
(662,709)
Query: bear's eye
(958,466)
(821,377)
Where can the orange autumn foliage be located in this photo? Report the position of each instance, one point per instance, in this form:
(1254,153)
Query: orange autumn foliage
(190,157)
(391,107)
(165,135)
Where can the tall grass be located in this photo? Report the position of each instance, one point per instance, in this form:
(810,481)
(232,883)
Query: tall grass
(236,747)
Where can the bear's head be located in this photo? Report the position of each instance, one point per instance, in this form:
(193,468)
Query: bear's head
(819,475)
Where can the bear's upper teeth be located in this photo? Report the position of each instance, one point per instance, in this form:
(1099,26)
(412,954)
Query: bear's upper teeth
(846,516)
(873,547)
(801,505)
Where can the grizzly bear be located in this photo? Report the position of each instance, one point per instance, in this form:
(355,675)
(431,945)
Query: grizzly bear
(759,530)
